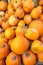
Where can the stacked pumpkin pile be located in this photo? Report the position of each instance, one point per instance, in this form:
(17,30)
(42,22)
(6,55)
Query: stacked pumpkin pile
(21,32)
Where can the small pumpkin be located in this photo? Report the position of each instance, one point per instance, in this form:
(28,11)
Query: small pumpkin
(4,50)
(29,58)
(13,20)
(28,5)
(38,25)
(19,12)
(13,59)
(10,10)
(27,19)
(19,45)
(37,46)
(36,12)
(5,25)
(40,2)
(32,34)
(20,31)
(6,15)
(21,23)
(3,6)
(9,33)
(2,38)
(40,57)
(16,4)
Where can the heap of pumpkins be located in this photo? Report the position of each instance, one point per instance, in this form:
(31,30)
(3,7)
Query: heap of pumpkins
(21,32)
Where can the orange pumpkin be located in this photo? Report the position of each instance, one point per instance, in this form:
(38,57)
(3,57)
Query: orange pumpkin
(10,10)
(37,46)
(32,34)
(27,19)
(29,58)
(13,20)
(36,12)
(4,50)
(21,23)
(3,5)
(6,15)
(5,25)
(13,59)
(9,42)
(19,45)
(40,2)
(19,12)
(2,38)
(28,5)
(9,33)
(38,25)
(20,31)
(40,57)
(16,4)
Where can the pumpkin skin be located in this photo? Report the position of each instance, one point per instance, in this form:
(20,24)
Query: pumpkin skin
(40,57)
(9,42)
(9,33)
(13,59)
(18,43)
(27,19)
(32,34)
(37,46)
(13,20)
(2,62)
(6,15)
(38,25)
(14,28)
(40,2)
(19,13)
(5,25)
(16,4)
(41,17)
(36,12)
(28,57)
(10,10)
(20,31)
(4,50)
(1,22)
(3,6)
(21,23)
(28,5)
(2,38)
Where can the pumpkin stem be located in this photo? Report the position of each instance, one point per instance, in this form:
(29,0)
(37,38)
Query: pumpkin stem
(3,45)
(15,1)
(0,16)
(16,17)
(3,36)
(24,28)
(14,58)
(14,28)
(27,54)
(36,2)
